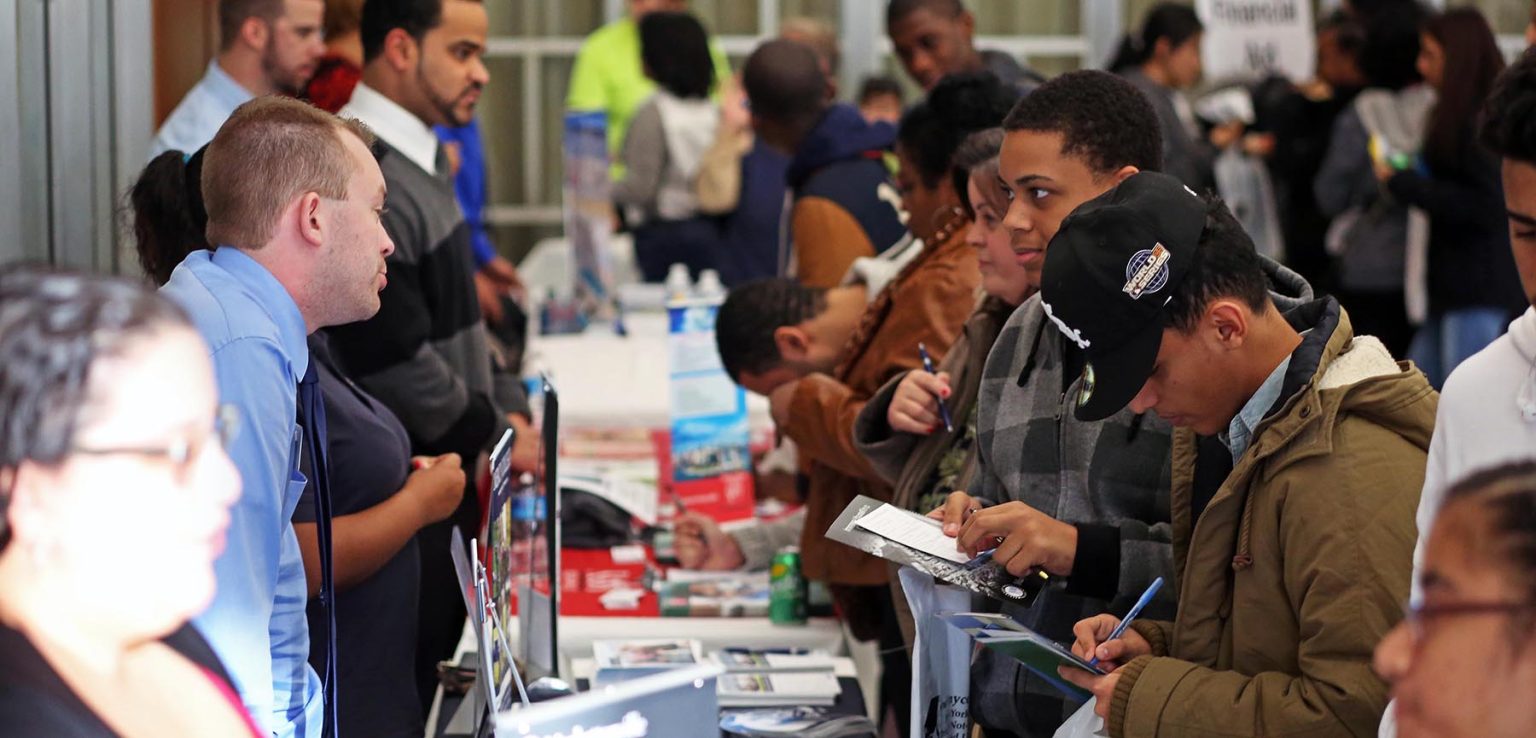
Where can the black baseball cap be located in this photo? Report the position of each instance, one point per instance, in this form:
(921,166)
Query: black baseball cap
(1109,274)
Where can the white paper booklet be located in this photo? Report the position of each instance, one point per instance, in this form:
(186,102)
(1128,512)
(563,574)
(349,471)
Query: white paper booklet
(618,661)
(747,660)
(801,688)
(910,529)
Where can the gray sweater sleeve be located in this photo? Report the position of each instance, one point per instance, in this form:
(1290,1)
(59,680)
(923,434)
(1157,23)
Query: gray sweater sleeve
(759,542)
(645,159)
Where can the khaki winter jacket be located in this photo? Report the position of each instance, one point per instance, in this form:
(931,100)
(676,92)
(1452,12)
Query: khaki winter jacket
(1299,564)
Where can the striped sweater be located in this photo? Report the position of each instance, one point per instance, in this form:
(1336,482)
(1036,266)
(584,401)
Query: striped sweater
(425,354)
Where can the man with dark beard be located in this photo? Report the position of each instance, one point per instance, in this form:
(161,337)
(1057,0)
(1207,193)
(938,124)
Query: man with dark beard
(425,354)
(265,47)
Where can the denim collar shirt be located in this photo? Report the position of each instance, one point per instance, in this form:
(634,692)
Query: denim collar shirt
(200,114)
(1240,431)
(256,337)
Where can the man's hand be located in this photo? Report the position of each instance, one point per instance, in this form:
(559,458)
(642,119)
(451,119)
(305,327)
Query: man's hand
(525,444)
(503,274)
(497,278)
(956,508)
(437,485)
(779,401)
(915,405)
(1090,643)
(1102,686)
(1030,539)
(702,545)
(488,293)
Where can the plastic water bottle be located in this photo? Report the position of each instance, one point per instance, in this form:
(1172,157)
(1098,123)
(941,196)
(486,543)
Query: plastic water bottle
(709,286)
(678,284)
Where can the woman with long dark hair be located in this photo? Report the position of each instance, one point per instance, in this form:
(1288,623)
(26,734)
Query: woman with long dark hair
(114,500)
(1473,288)
(1162,60)
(665,145)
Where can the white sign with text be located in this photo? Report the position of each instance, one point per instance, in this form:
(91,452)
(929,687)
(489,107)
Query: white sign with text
(1250,38)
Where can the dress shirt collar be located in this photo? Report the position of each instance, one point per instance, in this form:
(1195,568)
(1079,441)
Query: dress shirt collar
(271,296)
(223,87)
(397,126)
(1240,431)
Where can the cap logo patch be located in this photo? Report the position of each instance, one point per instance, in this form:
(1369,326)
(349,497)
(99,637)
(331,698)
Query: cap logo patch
(1147,271)
(1085,391)
(1068,331)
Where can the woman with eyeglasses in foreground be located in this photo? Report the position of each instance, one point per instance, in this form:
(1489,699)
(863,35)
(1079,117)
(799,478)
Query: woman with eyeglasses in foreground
(114,498)
(1463,661)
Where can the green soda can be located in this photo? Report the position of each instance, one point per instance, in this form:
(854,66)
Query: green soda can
(786,588)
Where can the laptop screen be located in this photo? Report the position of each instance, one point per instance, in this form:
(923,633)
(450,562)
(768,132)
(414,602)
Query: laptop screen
(680,703)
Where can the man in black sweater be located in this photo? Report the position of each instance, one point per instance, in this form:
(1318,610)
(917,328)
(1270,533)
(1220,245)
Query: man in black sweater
(425,355)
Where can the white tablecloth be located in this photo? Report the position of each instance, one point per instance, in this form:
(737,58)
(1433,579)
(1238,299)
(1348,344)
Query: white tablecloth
(607,380)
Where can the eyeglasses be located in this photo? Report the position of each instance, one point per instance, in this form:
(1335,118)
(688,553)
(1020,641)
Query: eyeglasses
(1418,616)
(182,451)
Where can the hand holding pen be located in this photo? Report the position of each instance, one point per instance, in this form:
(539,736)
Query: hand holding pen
(1106,638)
(916,404)
(922,351)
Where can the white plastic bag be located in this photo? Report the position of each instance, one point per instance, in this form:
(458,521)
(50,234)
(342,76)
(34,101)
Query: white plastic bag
(1084,723)
(941,662)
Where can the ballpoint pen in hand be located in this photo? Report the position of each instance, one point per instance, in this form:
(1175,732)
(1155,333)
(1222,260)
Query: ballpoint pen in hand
(1129,616)
(949,426)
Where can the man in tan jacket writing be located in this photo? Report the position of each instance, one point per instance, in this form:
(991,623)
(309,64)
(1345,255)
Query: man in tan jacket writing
(1298,457)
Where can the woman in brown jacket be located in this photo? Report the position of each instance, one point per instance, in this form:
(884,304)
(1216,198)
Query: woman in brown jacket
(905,441)
(928,302)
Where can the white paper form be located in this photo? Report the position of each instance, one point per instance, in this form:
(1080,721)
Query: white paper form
(911,529)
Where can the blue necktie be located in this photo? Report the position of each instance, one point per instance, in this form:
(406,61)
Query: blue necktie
(313,408)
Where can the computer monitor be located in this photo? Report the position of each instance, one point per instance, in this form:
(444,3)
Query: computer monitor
(680,703)
(538,522)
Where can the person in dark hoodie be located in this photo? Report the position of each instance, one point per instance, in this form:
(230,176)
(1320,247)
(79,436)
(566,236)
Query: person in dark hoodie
(843,203)
(936,38)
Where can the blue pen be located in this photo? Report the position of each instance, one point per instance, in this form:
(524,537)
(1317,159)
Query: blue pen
(1135,610)
(980,560)
(949,426)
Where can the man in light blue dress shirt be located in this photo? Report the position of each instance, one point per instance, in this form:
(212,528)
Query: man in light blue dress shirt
(266,47)
(294,197)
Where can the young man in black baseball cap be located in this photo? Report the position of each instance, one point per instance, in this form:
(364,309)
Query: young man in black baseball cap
(1293,531)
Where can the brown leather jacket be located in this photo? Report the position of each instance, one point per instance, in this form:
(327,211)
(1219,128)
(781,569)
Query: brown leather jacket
(928,302)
